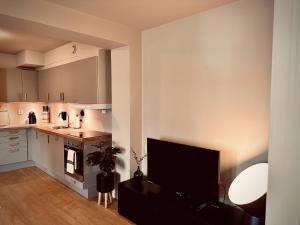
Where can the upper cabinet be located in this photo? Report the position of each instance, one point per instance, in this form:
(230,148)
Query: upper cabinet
(18,85)
(29,85)
(86,81)
(80,81)
(50,85)
(72,73)
(13,86)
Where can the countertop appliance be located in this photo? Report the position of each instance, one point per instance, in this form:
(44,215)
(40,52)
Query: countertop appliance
(31,118)
(46,114)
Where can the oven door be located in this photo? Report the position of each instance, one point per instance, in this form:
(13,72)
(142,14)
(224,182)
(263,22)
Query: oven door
(78,172)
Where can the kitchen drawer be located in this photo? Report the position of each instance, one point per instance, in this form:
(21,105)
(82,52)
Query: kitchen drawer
(13,138)
(75,182)
(13,144)
(13,155)
(17,132)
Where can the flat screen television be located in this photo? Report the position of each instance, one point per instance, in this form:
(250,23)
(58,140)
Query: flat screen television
(186,170)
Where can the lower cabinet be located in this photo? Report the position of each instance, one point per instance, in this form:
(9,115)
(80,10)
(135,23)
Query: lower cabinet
(56,155)
(48,152)
(33,146)
(13,146)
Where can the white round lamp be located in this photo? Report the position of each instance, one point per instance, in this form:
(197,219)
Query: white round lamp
(248,190)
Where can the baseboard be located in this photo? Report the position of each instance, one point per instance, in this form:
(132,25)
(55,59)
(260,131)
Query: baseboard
(15,166)
(82,192)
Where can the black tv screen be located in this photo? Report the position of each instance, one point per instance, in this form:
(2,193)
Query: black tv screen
(188,170)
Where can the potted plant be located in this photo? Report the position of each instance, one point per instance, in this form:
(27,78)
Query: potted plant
(105,158)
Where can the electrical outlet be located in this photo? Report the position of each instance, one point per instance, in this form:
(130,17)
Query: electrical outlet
(20,112)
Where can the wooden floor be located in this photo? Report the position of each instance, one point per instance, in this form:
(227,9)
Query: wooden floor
(31,197)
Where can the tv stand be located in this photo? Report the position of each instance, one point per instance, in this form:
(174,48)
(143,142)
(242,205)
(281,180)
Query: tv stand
(146,203)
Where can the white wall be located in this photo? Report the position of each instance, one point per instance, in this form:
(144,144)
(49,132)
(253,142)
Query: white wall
(283,200)
(121,108)
(206,82)
(64,54)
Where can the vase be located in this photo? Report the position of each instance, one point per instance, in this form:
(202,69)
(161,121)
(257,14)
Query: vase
(138,174)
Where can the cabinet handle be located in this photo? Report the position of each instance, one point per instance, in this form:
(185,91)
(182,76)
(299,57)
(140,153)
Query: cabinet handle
(74,49)
(48,96)
(14,150)
(13,138)
(14,145)
(36,135)
(13,132)
(48,139)
(63,99)
(25,97)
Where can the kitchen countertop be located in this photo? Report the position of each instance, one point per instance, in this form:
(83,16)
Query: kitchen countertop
(66,132)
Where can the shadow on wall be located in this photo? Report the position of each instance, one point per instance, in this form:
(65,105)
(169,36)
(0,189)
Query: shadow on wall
(121,165)
(228,175)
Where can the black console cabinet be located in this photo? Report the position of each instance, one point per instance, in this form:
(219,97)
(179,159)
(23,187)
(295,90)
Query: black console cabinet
(147,203)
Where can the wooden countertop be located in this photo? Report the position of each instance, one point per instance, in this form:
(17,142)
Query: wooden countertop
(65,133)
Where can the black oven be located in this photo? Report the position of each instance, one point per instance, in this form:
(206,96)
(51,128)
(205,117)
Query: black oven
(76,146)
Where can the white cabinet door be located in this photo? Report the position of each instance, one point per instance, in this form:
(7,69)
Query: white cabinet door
(32,144)
(30,85)
(50,85)
(14,85)
(47,151)
(80,81)
(44,150)
(56,152)
(35,152)
(19,85)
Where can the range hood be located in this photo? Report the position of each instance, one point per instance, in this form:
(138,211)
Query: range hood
(30,59)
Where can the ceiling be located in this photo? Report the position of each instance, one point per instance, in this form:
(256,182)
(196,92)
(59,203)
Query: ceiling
(141,14)
(13,41)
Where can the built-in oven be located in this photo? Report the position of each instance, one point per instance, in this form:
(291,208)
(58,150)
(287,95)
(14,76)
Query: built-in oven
(75,148)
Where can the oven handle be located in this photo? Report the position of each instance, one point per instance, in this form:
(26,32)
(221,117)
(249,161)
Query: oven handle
(71,148)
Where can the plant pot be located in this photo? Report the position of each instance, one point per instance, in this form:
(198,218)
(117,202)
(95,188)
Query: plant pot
(105,183)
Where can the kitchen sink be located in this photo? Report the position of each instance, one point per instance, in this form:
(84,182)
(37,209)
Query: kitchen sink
(59,127)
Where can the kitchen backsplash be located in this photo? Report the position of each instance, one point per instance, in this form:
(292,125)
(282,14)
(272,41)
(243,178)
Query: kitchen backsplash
(93,119)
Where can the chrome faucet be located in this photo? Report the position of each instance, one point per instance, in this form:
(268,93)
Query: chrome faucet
(65,116)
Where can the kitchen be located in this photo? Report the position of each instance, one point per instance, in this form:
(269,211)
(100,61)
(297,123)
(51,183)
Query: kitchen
(54,103)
